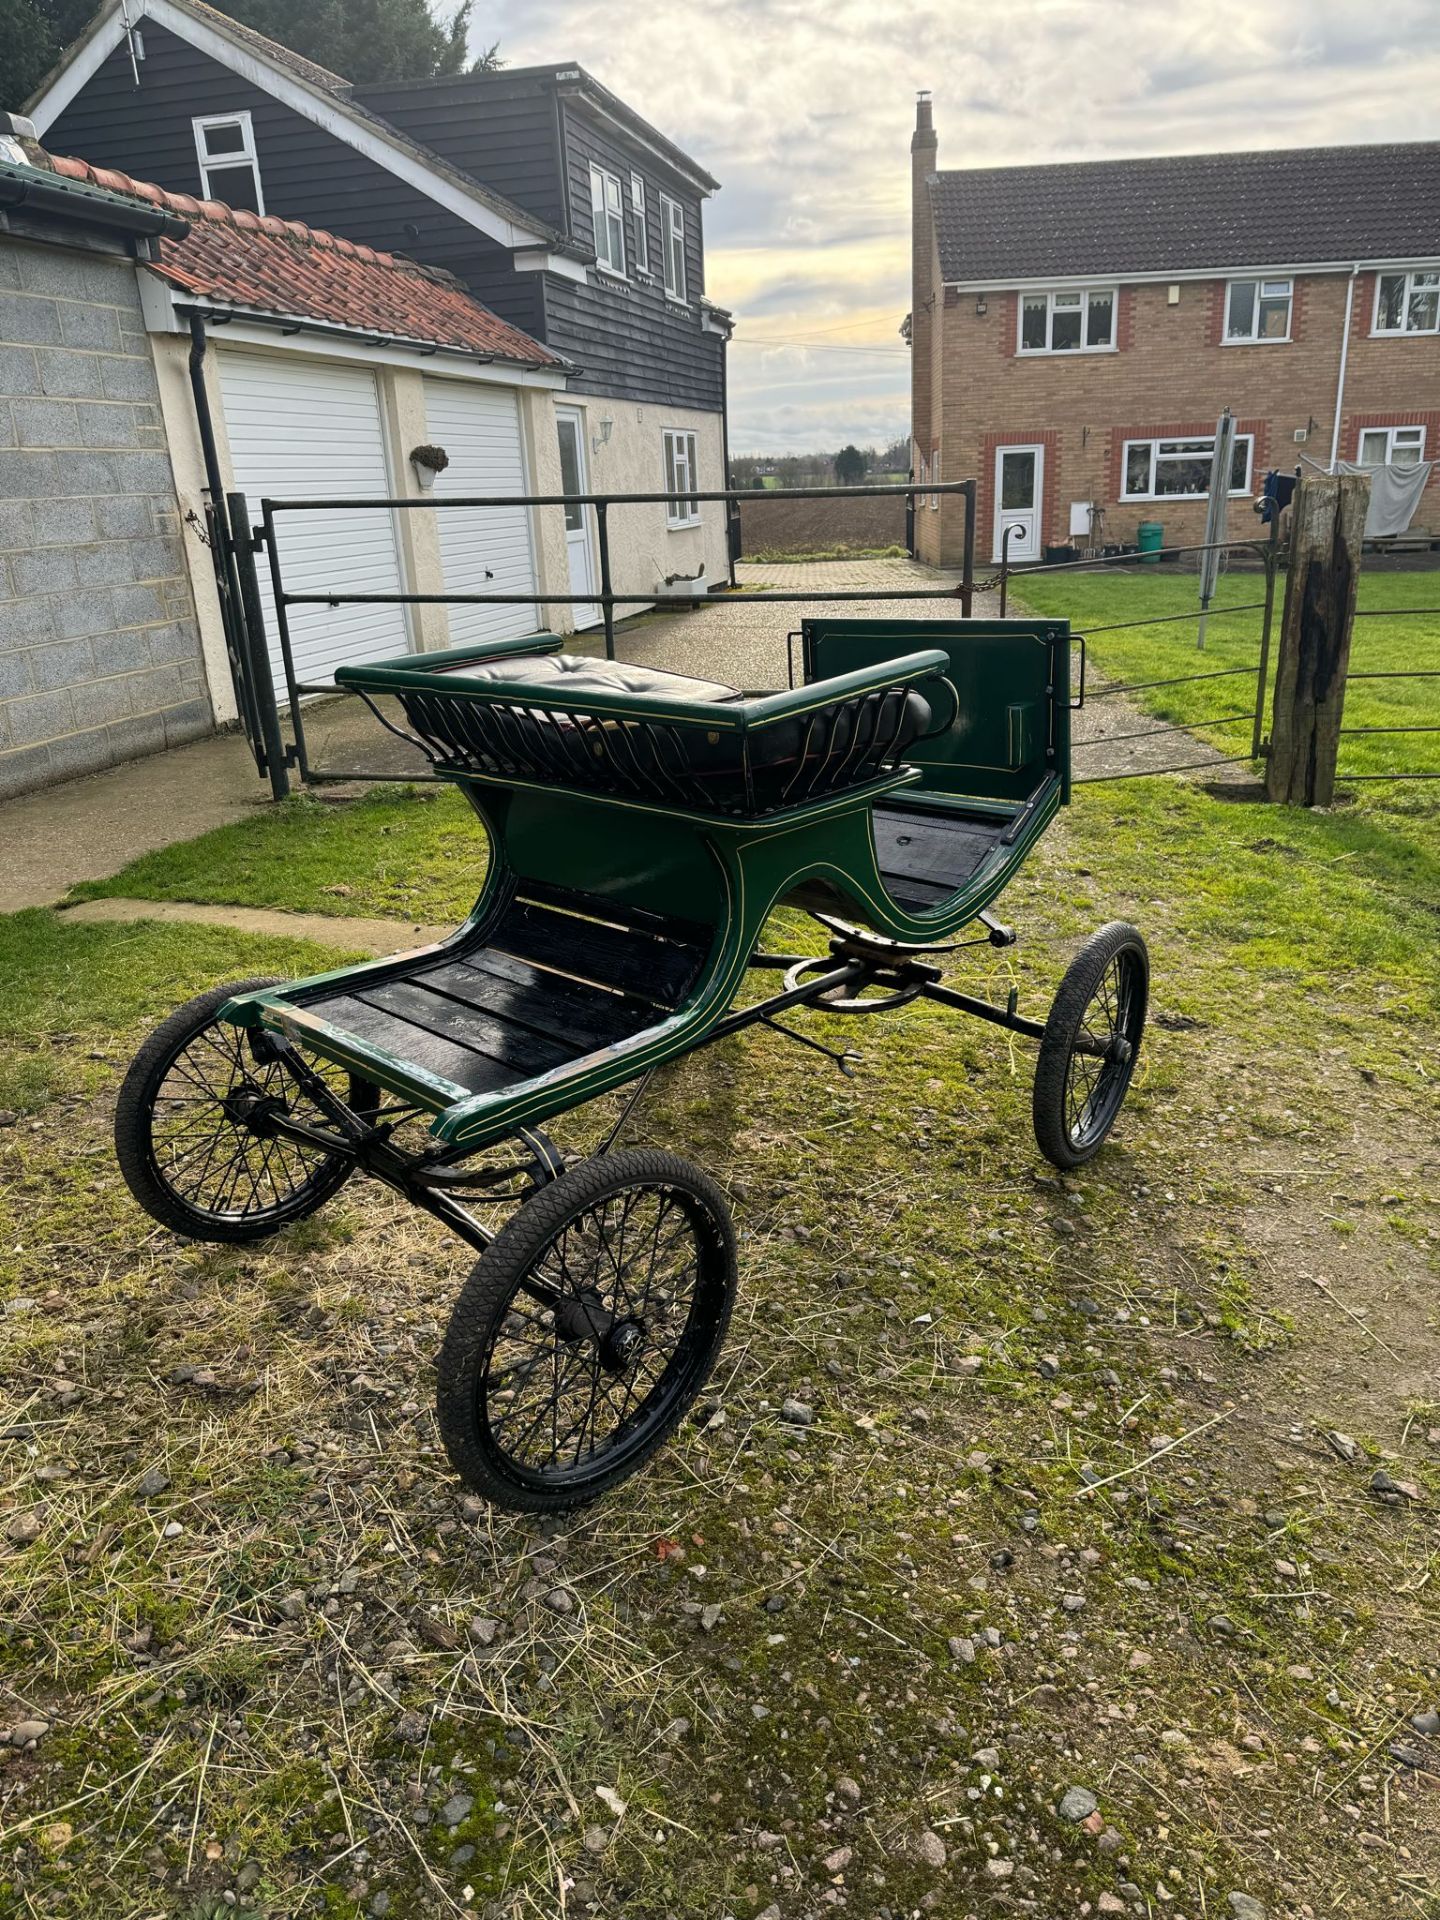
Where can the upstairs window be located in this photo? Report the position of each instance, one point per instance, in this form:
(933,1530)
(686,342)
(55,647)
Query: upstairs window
(1408,302)
(1180,469)
(1068,322)
(1392,446)
(229,166)
(642,237)
(682,509)
(608,210)
(1258,310)
(672,234)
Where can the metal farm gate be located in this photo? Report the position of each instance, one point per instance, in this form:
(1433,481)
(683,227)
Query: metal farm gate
(244,546)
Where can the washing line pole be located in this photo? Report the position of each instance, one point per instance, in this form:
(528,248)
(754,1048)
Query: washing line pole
(1222,460)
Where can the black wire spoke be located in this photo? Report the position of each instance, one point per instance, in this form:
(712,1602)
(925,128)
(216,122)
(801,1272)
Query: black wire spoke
(212,1162)
(556,1405)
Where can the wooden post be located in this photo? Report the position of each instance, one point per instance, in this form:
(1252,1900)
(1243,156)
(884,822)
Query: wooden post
(1326,530)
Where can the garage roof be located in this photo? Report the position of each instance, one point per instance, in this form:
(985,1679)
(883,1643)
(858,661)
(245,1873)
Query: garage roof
(1297,206)
(258,264)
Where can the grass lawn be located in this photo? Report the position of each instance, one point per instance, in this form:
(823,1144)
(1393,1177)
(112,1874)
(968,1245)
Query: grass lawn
(852,1665)
(1093,601)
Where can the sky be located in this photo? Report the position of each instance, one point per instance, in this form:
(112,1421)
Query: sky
(803,109)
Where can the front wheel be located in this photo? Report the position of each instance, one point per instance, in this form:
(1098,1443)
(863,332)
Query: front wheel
(1090,1045)
(183,1142)
(586,1329)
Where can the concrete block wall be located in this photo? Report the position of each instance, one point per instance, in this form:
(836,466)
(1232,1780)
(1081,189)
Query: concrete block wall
(100,656)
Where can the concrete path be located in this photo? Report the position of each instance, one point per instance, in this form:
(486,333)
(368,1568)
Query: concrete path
(90,828)
(329,929)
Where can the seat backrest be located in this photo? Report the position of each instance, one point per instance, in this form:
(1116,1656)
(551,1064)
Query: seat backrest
(639,734)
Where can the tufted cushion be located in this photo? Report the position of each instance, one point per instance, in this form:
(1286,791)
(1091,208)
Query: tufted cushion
(574,673)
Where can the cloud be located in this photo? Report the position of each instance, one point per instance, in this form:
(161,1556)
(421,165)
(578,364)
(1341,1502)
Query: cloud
(803,110)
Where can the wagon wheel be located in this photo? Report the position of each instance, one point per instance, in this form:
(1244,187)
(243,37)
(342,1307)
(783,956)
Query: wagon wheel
(586,1330)
(1090,1045)
(183,1142)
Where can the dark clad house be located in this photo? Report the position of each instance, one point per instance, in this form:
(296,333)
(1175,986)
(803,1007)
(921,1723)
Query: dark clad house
(549,198)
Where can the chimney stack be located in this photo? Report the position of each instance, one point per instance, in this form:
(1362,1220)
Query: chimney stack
(923,148)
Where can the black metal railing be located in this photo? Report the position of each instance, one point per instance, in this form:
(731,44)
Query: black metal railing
(1394,673)
(251,540)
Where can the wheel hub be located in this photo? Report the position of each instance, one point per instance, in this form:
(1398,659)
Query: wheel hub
(1120,1050)
(621,1346)
(246,1106)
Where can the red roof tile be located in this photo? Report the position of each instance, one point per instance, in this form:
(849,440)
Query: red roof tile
(266,265)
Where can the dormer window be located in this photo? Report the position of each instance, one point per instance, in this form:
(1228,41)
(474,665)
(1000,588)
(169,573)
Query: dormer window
(608,211)
(1067,322)
(229,165)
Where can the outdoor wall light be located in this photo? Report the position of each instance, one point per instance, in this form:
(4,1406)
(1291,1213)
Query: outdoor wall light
(980,307)
(601,437)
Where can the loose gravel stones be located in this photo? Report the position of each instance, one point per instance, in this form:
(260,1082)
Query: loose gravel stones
(1077,1803)
(930,1849)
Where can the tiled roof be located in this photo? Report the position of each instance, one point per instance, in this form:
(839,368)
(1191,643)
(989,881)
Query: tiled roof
(1291,207)
(259,264)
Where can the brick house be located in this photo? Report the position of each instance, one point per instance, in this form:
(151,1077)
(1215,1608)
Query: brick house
(1076,329)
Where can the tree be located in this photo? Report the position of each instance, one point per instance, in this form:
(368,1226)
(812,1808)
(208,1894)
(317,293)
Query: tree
(850,466)
(365,40)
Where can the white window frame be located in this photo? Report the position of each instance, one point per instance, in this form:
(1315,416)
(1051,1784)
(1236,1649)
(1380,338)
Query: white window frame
(1414,433)
(642,234)
(1430,274)
(935,480)
(680,463)
(1084,295)
(245,155)
(607,214)
(1196,440)
(1255,338)
(672,249)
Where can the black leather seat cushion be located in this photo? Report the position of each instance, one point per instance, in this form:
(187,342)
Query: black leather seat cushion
(573,673)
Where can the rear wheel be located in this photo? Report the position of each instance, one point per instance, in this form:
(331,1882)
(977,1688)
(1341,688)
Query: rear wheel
(586,1330)
(184,1135)
(1091,1043)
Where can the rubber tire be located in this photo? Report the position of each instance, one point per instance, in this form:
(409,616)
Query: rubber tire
(134,1109)
(1077,989)
(491,1286)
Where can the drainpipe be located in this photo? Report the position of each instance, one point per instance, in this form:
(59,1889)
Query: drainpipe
(1344,358)
(206,423)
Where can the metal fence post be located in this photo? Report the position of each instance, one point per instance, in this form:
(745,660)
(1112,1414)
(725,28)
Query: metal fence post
(257,651)
(1326,531)
(607,597)
(1272,563)
(967,576)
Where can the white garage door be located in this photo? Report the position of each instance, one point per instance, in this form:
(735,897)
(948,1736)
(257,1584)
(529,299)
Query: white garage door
(482,549)
(310,429)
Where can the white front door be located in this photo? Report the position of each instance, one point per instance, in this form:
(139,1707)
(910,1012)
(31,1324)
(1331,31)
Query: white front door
(1019,490)
(482,549)
(579,546)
